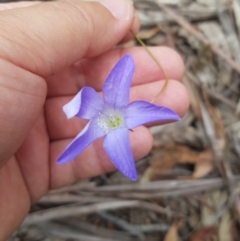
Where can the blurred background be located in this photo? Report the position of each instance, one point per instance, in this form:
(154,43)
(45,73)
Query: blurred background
(188,187)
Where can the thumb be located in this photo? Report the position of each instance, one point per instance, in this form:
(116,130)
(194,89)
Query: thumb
(41,40)
(52,35)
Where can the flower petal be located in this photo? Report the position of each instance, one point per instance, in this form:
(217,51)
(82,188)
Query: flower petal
(90,133)
(86,104)
(117,86)
(142,112)
(116,144)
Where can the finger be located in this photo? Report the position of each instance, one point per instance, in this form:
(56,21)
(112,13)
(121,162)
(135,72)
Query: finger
(33,156)
(22,96)
(135,28)
(93,72)
(59,127)
(93,160)
(53,35)
(14,201)
(7,6)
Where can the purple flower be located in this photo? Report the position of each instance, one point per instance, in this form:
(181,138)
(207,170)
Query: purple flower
(112,117)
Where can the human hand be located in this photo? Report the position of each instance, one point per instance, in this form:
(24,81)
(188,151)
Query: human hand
(48,52)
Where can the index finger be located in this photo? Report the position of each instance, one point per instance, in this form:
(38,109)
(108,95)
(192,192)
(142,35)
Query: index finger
(93,72)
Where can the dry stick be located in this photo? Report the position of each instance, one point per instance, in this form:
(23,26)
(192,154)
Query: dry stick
(174,193)
(75,187)
(162,186)
(99,231)
(136,230)
(157,62)
(172,189)
(51,228)
(79,231)
(156,227)
(196,187)
(213,94)
(192,30)
(228,27)
(66,211)
(70,198)
(122,224)
(122,235)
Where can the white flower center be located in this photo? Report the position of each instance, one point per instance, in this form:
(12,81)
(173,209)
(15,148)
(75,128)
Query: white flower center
(110,120)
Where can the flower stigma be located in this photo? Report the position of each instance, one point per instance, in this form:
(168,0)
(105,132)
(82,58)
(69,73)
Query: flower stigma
(109,121)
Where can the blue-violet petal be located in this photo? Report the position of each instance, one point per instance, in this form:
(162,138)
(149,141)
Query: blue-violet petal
(116,145)
(117,86)
(142,112)
(86,104)
(90,133)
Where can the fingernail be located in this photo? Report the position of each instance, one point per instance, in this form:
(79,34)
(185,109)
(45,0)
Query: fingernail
(120,9)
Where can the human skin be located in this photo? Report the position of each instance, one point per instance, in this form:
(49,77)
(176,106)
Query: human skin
(48,52)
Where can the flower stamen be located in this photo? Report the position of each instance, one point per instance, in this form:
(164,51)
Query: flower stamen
(109,121)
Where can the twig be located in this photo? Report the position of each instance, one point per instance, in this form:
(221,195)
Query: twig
(122,224)
(67,233)
(66,211)
(229,29)
(73,210)
(159,227)
(161,186)
(192,30)
(99,231)
(75,187)
(175,193)
(122,235)
(134,229)
(69,198)
(213,94)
